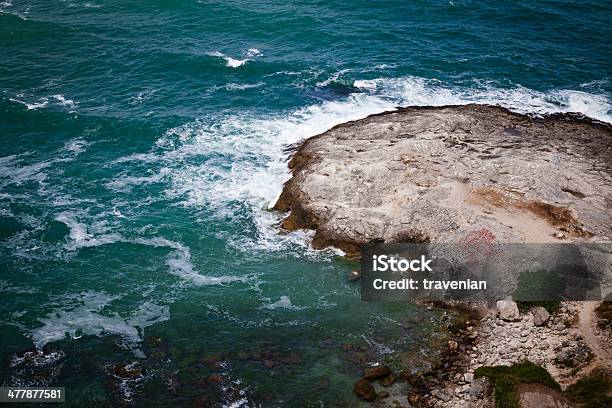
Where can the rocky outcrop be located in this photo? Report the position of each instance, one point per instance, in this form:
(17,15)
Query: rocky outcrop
(493,341)
(424,174)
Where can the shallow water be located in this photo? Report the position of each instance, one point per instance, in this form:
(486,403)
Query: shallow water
(142,143)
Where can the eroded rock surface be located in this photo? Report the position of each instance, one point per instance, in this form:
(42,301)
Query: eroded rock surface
(424,174)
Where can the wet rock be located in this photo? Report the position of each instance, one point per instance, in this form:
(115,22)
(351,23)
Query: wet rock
(212,359)
(508,310)
(158,355)
(353,275)
(269,363)
(129,371)
(364,390)
(173,385)
(153,341)
(374,373)
(292,358)
(347,347)
(359,357)
(388,380)
(540,315)
(215,378)
(383,394)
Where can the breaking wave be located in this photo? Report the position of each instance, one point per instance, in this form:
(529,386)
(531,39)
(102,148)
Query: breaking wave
(246,153)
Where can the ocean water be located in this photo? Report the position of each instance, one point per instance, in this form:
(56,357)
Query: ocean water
(144,141)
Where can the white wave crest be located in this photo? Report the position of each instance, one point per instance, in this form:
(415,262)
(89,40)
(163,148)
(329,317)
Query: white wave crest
(82,235)
(332,78)
(409,91)
(229,61)
(57,100)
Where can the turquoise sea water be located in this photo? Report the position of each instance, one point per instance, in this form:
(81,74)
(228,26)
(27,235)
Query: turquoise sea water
(142,142)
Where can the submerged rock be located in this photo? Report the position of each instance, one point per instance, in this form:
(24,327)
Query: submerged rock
(364,390)
(424,174)
(129,371)
(388,380)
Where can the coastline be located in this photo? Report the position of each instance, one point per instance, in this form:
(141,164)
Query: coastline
(330,169)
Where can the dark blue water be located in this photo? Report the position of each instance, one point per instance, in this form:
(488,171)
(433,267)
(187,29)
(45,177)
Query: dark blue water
(143,141)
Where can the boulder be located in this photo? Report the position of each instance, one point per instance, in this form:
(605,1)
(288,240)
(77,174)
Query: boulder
(364,390)
(508,310)
(540,316)
(374,373)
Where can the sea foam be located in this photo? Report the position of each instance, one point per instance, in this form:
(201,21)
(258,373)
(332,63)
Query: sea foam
(229,61)
(246,153)
(89,317)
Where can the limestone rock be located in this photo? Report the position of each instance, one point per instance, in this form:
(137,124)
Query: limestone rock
(435,174)
(508,310)
(540,315)
(540,396)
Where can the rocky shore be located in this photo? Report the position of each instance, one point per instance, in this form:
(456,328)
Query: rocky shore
(506,337)
(437,174)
